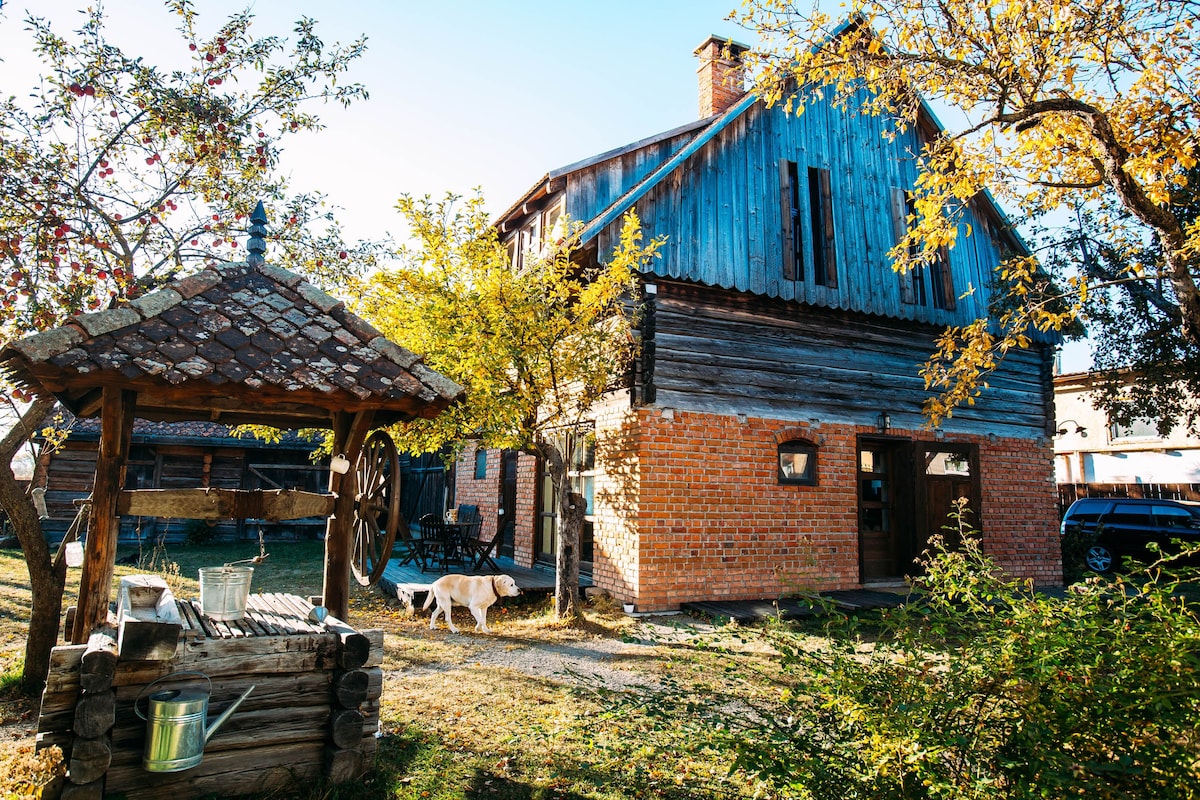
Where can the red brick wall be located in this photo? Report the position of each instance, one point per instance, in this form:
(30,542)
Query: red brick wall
(484,492)
(689,508)
(715,524)
(526,510)
(1020,512)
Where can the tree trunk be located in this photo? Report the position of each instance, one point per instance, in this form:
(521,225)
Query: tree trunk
(46,578)
(571,506)
(569,522)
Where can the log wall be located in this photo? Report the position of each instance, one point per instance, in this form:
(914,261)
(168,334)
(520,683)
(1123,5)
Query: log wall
(313,714)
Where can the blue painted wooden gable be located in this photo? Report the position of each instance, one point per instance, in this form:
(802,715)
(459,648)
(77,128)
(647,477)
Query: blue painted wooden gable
(720,206)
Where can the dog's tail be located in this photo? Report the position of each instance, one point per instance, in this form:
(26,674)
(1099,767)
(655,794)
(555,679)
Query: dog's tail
(428,600)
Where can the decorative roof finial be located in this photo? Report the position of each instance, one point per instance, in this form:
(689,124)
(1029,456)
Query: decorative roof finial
(258,231)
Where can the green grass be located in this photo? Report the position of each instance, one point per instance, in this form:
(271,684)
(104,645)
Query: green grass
(453,728)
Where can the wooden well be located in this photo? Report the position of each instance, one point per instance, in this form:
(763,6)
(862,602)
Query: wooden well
(313,714)
(245,343)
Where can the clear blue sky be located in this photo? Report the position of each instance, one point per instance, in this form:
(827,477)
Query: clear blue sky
(464,94)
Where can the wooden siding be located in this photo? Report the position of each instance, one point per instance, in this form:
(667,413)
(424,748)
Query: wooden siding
(725,352)
(595,187)
(721,210)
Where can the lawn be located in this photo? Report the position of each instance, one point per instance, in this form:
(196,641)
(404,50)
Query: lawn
(512,715)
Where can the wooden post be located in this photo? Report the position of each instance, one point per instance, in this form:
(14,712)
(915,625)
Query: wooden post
(95,582)
(348,437)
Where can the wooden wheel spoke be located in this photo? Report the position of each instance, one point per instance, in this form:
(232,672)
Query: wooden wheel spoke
(378,508)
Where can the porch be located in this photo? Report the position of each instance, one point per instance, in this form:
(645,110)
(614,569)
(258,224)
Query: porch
(410,578)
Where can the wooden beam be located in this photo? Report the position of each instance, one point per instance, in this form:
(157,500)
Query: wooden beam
(349,434)
(216,503)
(95,582)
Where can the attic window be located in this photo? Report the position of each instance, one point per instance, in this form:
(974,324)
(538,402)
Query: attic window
(913,282)
(824,244)
(798,462)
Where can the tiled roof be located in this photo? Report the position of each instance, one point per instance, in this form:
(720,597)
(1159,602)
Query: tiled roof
(236,343)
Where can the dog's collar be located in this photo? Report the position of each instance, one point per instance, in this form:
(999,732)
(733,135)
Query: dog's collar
(494,591)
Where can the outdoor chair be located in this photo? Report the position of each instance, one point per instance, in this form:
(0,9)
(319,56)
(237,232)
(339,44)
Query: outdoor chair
(434,536)
(409,547)
(481,552)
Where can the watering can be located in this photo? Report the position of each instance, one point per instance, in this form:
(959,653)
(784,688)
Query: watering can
(177,724)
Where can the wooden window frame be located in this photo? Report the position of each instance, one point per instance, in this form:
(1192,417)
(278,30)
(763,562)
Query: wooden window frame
(480,464)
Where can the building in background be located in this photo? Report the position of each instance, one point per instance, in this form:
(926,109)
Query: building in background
(1095,456)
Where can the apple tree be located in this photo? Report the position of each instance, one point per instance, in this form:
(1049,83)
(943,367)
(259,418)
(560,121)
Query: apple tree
(117,175)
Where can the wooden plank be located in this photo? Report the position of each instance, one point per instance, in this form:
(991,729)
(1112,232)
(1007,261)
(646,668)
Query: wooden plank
(95,581)
(218,503)
(349,436)
(251,770)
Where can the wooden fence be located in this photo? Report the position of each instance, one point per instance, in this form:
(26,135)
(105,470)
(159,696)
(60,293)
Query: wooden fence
(1070,492)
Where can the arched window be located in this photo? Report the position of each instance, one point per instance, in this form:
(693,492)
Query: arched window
(798,462)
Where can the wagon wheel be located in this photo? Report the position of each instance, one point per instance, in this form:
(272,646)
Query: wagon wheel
(377,507)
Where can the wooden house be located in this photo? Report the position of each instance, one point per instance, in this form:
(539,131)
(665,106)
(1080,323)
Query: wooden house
(198,454)
(771,438)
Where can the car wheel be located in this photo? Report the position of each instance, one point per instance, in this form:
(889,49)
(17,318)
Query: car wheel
(1099,558)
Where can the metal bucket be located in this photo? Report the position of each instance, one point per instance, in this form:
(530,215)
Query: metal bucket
(223,591)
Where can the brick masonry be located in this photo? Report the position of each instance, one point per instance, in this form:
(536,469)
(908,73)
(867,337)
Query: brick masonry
(688,507)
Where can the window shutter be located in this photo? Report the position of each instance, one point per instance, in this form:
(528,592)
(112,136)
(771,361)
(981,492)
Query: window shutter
(899,226)
(945,280)
(787,213)
(826,271)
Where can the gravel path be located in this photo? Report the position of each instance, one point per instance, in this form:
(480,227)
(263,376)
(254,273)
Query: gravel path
(604,661)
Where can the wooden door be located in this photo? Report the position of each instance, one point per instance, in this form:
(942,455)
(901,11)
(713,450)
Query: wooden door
(947,473)
(508,502)
(884,509)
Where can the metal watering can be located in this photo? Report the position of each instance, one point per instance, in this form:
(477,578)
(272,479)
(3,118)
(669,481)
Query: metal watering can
(177,726)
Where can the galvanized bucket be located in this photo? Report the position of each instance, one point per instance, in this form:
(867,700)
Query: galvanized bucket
(223,591)
(177,724)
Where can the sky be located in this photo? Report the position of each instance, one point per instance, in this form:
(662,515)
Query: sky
(464,95)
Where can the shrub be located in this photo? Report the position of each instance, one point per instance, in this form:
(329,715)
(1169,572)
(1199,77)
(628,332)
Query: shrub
(1075,543)
(979,687)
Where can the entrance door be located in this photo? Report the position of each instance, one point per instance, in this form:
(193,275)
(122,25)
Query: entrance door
(508,502)
(884,509)
(948,472)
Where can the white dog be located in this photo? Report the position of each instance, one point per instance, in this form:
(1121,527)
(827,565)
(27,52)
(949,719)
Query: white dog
(476,592)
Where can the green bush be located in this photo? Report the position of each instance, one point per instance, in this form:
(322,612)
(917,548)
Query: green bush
(1075,543)
(979,687)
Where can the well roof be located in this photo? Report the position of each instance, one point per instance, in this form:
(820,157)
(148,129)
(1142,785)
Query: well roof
(237,343)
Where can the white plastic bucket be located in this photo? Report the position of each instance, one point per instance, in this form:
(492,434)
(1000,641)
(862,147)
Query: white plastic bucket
(223,591)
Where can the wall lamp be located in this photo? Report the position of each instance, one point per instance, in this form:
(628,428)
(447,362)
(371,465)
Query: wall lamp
(883,422)
(1062,430)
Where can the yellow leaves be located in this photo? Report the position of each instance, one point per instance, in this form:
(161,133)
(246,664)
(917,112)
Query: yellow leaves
(533,346)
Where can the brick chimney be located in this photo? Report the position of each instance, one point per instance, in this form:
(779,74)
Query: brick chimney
(722,74)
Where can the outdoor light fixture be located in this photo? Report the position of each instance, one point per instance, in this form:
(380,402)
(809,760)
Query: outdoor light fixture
(883,422)
(939,434)
(1082,431)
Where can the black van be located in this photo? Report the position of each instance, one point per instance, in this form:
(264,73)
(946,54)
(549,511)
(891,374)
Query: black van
(1127,524)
